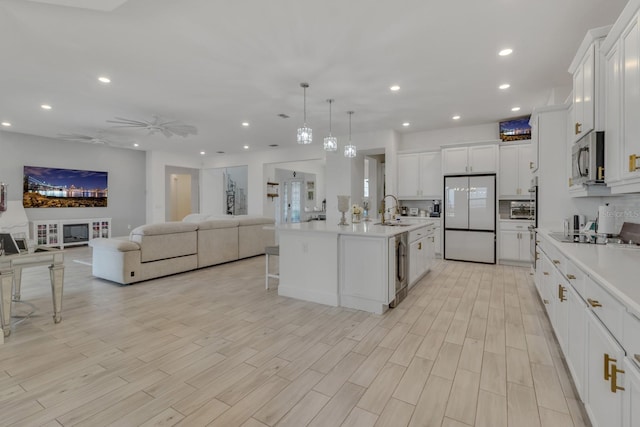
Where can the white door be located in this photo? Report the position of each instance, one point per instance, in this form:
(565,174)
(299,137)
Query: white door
(454,160)
(509,245)
(482,202)
(456,202)
(431,175)
(631,414)
(478,246)
(180,196)
(291,200)
(524,169)
(408,175)
(483,158)
(508,170)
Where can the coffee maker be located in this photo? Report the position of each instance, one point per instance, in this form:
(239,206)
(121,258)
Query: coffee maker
(436,209)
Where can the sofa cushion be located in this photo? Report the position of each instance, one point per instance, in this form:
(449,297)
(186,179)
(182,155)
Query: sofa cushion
(254,220)
(164,228)
(196,217)
(213,224)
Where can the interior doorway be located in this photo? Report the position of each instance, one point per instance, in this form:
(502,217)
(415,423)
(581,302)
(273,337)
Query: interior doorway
(291,200)
(180,201)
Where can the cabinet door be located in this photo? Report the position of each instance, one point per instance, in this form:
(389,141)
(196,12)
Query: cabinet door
(438,240)
(524,242)
(482,158)
(560,289)
(631,98)
(509,170)
(408,175)
(589,87)
(535,147)
(578,96)
(613,120)
(454,160)
(414,261)
(524,169)
(577,331)
(430,242)
(509,245)
(631,411)
(604,356)
(431,175)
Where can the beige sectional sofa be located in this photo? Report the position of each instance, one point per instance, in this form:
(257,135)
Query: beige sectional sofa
(156,250)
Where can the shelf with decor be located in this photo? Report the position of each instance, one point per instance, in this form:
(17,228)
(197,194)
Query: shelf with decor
(272,189)
(69,232)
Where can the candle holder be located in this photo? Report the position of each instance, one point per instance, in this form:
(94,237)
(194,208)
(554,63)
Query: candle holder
(343,206)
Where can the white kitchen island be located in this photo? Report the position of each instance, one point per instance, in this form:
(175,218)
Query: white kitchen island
(349,266)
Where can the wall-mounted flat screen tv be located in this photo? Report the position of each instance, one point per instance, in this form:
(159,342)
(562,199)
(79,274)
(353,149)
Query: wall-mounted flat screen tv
(64,188)
(516,129)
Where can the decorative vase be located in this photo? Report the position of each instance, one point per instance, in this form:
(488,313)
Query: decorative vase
(355,218)
(343,207)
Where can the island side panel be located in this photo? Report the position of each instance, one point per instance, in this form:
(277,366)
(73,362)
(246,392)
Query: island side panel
(309,266)
(364,272)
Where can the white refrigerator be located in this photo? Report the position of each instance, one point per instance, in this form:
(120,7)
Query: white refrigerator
(470,218)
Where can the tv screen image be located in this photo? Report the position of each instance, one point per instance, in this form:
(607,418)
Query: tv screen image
(516,129)
(64,188)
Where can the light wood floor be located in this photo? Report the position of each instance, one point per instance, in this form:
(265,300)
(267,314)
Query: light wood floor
(470,346)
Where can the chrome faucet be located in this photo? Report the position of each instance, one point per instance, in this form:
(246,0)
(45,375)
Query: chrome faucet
(396,211)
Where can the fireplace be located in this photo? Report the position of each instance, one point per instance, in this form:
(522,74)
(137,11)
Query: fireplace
(75,233)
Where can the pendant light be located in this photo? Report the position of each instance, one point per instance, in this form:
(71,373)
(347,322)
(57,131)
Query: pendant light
(350,149)
(330,142)
(305,133)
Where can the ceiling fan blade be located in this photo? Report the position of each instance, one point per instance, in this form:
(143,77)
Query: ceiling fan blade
(128,122)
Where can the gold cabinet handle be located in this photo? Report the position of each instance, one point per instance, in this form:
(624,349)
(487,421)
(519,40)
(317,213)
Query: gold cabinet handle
(530,165)
(608,360)
(556,262)
(420,246)
(571,277)
(614,379)
(545,301)
(600,172)
(570,182)
(637,357)
(578,128)
(546,273)
(594,302)
(561,290)
(633,162)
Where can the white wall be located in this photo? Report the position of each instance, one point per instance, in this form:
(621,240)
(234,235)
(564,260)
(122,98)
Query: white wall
(432,140)
(126,168)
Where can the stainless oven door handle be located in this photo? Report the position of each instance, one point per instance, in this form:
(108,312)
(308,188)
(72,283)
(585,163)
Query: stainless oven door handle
(401,261)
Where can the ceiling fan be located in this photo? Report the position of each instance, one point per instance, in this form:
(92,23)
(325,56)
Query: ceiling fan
(166,127)
(98,138)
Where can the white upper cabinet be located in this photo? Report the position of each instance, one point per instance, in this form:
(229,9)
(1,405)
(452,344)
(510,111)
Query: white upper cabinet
(420,176)
(472,159)
(588,74)
(515,171)
(622,86)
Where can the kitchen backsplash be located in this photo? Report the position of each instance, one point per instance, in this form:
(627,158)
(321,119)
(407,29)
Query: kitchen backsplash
(627,208)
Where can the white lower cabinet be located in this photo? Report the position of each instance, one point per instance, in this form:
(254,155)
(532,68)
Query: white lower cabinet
(577,334)
(514,241)
(631,402)
(421,252)
(605,375)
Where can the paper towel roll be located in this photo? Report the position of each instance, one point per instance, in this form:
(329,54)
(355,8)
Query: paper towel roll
(606,219)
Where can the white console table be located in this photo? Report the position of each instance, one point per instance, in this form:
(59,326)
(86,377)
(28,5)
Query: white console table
(51,232)
(11,274)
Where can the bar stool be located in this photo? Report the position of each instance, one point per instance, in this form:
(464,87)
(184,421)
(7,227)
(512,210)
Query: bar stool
(270,250)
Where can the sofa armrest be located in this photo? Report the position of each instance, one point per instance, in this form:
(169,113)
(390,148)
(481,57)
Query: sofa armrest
(114,244)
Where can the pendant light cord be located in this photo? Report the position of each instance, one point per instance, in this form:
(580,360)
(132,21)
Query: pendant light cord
(330,101)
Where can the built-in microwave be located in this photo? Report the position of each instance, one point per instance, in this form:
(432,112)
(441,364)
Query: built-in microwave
(587,159)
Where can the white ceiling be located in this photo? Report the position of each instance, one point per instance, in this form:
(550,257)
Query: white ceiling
(215,64)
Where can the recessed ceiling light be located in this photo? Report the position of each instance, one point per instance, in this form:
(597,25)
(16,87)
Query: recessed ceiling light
(405,124)
(245,124)
(6,124)
(456,117)
(246,147)
(136,145)
(45,107)
(515,109)
(394,88)
(103,79)
(505,52)
(504,86)
(202,153)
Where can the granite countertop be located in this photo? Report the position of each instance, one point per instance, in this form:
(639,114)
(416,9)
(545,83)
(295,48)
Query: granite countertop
(364,228)
(613,267)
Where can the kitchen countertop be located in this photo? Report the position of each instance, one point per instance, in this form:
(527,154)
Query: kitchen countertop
(614,267)
(364,228)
